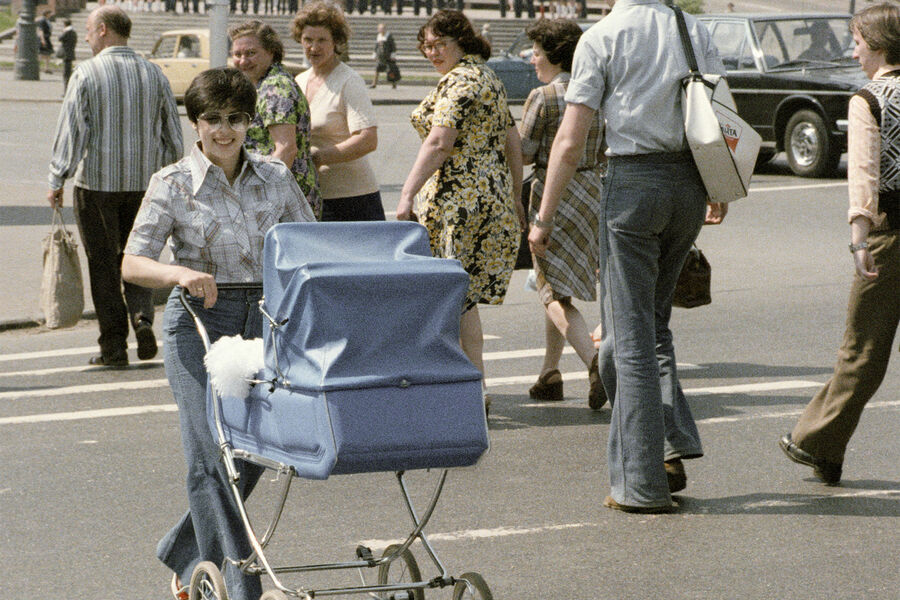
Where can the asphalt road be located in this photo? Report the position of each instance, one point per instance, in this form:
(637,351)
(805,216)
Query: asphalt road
(92,471)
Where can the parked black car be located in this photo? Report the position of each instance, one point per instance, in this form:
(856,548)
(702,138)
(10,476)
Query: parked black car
(792,77)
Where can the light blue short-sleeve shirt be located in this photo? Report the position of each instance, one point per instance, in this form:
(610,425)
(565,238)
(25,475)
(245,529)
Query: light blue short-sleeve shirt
(630,66)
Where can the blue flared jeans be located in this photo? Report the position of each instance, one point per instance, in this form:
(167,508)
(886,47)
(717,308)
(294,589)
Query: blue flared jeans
(652,210)
(212,529)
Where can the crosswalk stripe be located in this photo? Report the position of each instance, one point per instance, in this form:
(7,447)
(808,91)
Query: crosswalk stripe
(84,389)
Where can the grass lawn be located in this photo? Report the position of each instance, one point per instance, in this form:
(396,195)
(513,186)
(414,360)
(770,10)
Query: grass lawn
(7,18)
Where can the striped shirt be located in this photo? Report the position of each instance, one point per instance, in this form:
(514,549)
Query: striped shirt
(213,226)
(118,124)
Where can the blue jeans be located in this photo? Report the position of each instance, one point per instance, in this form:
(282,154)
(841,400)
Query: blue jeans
(652,210)
(212,528)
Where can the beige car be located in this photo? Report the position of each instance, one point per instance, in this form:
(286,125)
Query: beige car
(183,53)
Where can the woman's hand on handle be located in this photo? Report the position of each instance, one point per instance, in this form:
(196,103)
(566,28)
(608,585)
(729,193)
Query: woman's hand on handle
(199,285)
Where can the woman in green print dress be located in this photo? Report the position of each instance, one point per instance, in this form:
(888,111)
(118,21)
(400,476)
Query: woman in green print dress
(468,171)
(280,127)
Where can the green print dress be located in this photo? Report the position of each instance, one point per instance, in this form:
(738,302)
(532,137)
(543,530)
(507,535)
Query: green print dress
(279,100)
(467,205)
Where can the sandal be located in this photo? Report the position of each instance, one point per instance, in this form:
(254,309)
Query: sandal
(549,387)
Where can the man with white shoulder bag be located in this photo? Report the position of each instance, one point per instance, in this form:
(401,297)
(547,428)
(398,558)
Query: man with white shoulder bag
(630,67)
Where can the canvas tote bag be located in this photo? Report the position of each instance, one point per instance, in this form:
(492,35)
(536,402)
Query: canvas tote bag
(62,291)
(724,146)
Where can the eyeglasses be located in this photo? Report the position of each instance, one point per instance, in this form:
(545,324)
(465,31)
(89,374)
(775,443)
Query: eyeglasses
(238,121)
(439,45)
(248,54)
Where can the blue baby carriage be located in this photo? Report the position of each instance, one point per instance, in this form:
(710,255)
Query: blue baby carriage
(363,373)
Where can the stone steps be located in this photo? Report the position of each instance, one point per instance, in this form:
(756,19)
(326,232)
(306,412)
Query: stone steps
(146,27)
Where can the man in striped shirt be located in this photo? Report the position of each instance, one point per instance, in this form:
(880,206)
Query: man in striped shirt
(117,126)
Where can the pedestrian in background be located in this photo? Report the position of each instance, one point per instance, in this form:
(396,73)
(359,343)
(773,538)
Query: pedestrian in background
(67,41)
(468,172)
(281,123)
(629,66)
(820,437)
(569,266)
(45,33)
(117,126)
(343,124)
(220,188)
(385,55)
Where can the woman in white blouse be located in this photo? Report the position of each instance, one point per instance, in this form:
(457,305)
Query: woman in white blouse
(343,128)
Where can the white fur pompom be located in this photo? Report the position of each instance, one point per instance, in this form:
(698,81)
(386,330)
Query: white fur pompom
(231,362)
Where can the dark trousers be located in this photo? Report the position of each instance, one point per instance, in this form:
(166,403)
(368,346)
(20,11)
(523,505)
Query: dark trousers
(104,220)
(873,313)
(417,4)
(366,207)
(520,5)
(502,4)
(67,73)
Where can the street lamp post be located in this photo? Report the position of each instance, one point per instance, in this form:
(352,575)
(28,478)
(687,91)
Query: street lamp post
(27,66)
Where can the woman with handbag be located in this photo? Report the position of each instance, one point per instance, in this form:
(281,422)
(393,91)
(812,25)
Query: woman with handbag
(820,437)
(385,57)
(569,267)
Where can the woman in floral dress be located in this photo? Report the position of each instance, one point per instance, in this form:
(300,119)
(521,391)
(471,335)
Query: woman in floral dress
(468,171)
(280,127)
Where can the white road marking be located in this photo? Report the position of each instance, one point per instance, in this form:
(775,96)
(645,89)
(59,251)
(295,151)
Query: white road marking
(84,389)
(53,353)
(470,534)
(89,414)
(790,188)
(76,369)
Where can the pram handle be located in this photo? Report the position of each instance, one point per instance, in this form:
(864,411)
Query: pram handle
(252,285)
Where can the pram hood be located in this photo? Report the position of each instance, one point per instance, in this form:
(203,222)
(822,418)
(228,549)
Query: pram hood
(362,305)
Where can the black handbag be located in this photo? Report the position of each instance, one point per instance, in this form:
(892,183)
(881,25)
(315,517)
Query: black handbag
(693,286)
(523,258)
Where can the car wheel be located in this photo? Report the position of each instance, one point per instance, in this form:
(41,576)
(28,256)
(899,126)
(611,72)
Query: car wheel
(809,149)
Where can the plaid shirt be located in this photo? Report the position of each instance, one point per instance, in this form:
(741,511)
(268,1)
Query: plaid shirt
(212,226)
(541,118)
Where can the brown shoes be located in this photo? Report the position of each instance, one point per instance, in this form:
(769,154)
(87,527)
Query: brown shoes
(608,502)
(597,395)
(549,387)
(675,475)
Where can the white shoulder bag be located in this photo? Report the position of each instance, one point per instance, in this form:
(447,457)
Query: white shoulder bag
(724,146)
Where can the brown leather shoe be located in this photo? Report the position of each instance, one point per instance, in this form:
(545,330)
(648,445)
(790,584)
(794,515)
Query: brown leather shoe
(675,475)
(597,395)
(549,387)
(608,502)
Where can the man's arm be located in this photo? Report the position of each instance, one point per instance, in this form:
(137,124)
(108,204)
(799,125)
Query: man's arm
(173,143)
(565,153)
(69,140)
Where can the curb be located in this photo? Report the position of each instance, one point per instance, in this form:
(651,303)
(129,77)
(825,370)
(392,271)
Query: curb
(16,324)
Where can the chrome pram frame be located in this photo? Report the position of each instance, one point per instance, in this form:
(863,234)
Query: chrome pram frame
(207,581)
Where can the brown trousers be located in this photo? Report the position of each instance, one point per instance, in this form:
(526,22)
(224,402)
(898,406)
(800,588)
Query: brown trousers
(831,417)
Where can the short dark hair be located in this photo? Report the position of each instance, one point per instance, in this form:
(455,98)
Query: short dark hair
(225,87)
(879,26)
(267,37)
(323,14)
(454,24)
(115,19)
(557,38)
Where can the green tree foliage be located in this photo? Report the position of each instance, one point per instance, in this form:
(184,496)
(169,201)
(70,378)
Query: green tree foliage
(695,7)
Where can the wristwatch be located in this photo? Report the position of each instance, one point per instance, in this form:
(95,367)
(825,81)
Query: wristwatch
(859,246)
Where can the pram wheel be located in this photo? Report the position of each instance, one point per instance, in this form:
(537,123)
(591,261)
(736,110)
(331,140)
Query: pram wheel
(405,569)
(207,583)
(471,586)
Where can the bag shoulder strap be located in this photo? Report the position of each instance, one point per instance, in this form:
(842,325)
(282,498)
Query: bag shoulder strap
(686,41)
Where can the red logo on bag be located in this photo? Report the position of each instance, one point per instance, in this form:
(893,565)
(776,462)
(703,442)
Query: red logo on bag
(731,132)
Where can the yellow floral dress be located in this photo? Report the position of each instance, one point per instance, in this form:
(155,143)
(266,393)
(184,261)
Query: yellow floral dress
(467,205)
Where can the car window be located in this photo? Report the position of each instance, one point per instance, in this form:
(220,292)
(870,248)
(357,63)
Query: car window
(165,47)
(808,40)
(731,40)
(188,46)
